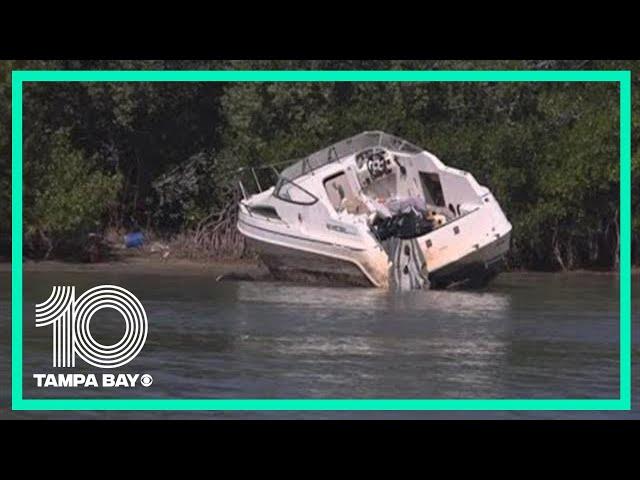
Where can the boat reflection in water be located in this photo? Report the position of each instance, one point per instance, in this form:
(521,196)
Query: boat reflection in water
(343,335)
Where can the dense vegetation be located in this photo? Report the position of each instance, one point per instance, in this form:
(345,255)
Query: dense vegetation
(164,156)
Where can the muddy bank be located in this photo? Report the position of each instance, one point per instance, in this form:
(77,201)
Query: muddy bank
(223,269)
(243,269)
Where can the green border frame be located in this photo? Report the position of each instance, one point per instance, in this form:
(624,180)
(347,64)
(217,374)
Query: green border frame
(623,77)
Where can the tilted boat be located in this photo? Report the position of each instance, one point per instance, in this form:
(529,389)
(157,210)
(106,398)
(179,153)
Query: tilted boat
(374,210)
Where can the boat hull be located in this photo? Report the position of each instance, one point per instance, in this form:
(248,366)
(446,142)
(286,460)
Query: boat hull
(285,263)
(291,256)
(475,269)
(289,264)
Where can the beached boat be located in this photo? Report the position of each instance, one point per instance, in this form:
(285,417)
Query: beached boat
(375,210)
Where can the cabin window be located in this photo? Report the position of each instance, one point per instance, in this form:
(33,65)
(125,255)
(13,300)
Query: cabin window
(432,189)
(290,192)
(265,211)
(337,188)
(342,196)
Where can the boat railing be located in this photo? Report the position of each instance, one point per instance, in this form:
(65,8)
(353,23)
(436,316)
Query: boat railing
(254,180)
(347,147)
(307,165)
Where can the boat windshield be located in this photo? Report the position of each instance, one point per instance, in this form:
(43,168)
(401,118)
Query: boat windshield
(345,148)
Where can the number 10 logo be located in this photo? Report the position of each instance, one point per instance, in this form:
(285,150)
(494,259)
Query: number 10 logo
(70,318)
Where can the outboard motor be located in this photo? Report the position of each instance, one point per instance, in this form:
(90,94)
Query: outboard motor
(408,265)
(397,234)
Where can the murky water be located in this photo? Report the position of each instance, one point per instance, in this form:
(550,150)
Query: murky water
(525,336)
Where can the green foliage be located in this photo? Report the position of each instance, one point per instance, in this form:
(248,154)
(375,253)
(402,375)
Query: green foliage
(184,195)
(73,197)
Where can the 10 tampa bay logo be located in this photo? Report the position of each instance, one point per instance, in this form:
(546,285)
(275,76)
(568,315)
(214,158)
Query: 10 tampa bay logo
(70,318)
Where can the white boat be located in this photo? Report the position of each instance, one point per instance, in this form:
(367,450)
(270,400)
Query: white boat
(374,210)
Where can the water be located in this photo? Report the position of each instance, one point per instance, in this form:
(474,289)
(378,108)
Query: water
(525,336)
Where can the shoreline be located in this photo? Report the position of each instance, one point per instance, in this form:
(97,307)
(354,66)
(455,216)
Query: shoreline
(248,268)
